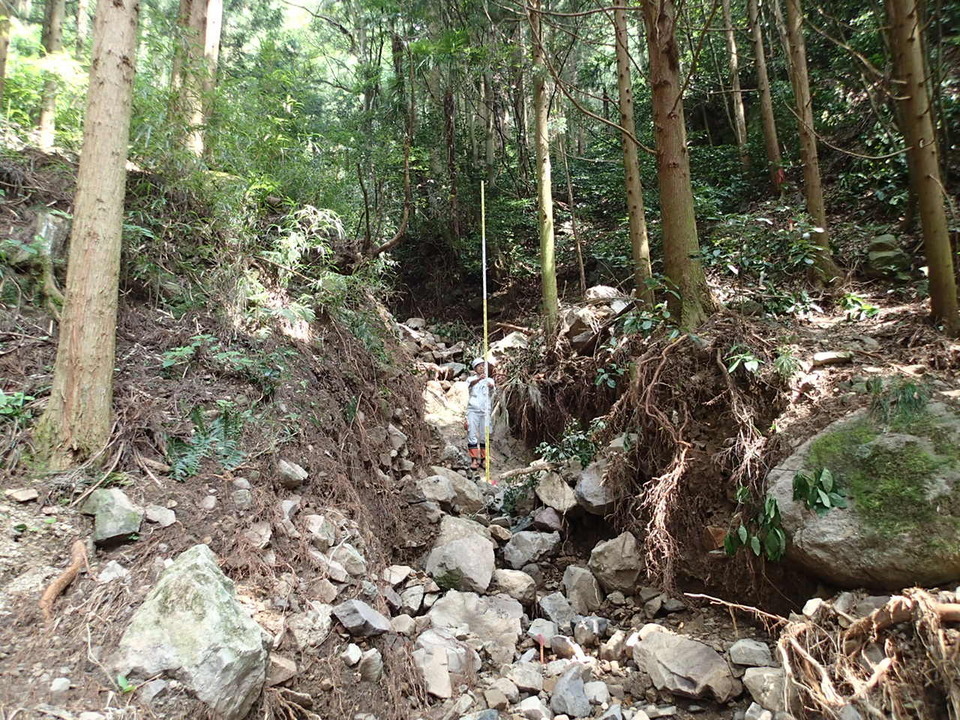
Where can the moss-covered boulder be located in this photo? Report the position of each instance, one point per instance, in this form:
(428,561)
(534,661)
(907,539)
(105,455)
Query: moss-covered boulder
(900,480)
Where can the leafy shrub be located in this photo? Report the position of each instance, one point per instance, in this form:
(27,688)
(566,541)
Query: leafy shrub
(576,442)
(818,490)
(761,534)
(218,440)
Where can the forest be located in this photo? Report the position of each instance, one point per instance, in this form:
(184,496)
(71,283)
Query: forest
(537,359)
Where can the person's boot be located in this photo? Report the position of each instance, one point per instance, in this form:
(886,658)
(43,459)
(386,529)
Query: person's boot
(474,458)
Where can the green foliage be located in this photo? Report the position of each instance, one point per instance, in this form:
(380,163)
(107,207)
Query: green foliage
(609,375)
(217,440)
(516,490)
(576,442)
(763,533)
(264,371)
(740,354)
(13,407)
(899,403)
(818,490)
(857,308)
(786,364)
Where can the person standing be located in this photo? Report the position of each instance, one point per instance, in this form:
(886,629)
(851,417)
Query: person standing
(479,408)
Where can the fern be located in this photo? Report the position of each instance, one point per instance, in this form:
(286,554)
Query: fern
(218,441)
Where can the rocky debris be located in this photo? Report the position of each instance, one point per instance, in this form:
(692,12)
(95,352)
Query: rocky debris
(527,676)
(533,708)
(280,670)
(468,498)
(582,589)
(462,559)
(438,489)
(21,495)
(371,666)
(516,584)
(617,563)
(886,258)
(350,558)
(766,686)
(396,574)
(291,475)
(854,546)
(311,627)
(116,518)
(683,666)
(111,571)
(556,607)
(528,547)
(443,661)
(495,621)
(597,692)
(360,619)
(555,493)
(258,535)
(351,655)
(591,492)
(547,519)
(569,697)
(751,653)
(164,517)
(191,627)
(321,531)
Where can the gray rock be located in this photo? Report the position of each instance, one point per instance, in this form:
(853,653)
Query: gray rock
(615,712)
(590,630)
(360,619)
(411,599)
(555,493)
(311,627)
(468,498)
(529,547)
(756,712)
(597,692)
(280,670)
(111,571)
(242,498)
(766,687)
(162,516)
(351,655)
(592,493)
(527,676)
(191,626)
(533,708)
(291,475)
(466,563)
(752,653)
(568,696)
(115,517)
(60,686)
(371,666)
(351,559)
(684,666)
(850,547)
(494,620)
(21,495)
(542,628)
(321,531)
(258,535)
(548,519)
(396,574)
(617,563)
(437,488)
(443,660)
(582,589)
(515,584)
(556,607)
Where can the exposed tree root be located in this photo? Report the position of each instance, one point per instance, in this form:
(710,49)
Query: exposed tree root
(78,560)
(899,662)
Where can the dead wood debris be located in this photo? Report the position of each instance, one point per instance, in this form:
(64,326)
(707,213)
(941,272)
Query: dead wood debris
(78,560)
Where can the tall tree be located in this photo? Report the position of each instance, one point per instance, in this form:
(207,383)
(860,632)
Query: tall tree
(736,94)
(52,40)
(770,141)
(825,268)
(912,93)
(77,420)
(541,96)
(195,68)
(639,242)
(681,246)
(83,25)
(6,12)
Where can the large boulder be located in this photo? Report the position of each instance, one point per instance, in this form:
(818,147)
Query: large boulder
(528,547)
(468,498)
(444,661)
(554,492)
(494,620)
(582,589)
(462,557)
(901,480)
(191,627)
(684,666)
(592,492)
(617,563)
(569,697)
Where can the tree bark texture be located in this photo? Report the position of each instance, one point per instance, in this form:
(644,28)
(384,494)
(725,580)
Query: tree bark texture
(733,56)
(824,266)
(913,96)
(195,67)
(52,40)
(770,141)
(83,25)
(6,12)
(681,246)
(541,95)
(636,213)
(77,420)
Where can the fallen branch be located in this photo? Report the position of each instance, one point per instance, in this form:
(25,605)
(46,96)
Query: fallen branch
(78,560)
(515,328)
(898,610)
(535,466)
(756,612)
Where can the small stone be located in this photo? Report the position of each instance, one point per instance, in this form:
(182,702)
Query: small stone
(112,571)
(597,692)
(568,696)
(351,655)
(162,516)
(396,574)
(290,474)
(411,599)
(208,502)
(115,516)
(241,483)
(371,666)
(500,534)
(351,559)
(258,534)
(60,686)
(542,628)
(564,647)
(527,676)
(22,495)
(533,709)
(360,619)
(752,653)
(322,532)
(556,607)
(243,499)
(280,669)
(403,625)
